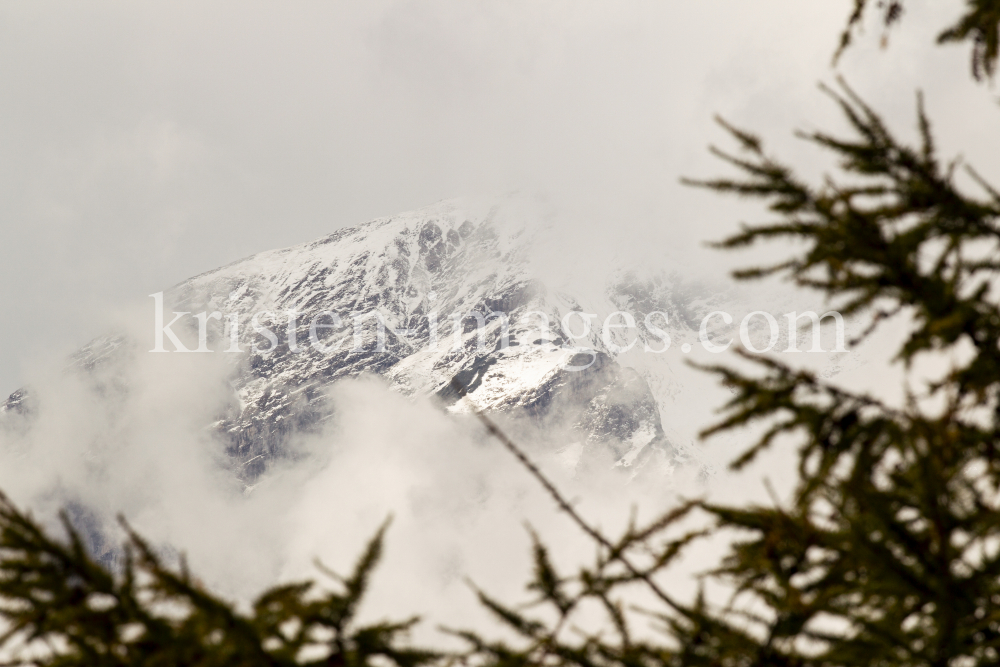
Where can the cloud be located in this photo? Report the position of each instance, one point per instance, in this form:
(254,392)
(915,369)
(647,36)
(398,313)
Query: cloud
(130,438)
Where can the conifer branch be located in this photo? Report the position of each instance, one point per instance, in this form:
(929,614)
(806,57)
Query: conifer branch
(615,552)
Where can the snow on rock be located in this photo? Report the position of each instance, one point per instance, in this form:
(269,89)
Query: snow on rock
(415,272)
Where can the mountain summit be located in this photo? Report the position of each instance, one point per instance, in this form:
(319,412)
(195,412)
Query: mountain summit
(428,299)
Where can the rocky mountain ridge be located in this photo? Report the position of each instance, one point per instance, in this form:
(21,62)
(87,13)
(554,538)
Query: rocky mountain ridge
(423,299)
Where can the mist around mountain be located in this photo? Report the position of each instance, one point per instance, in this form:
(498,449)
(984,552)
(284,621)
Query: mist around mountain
(295,431)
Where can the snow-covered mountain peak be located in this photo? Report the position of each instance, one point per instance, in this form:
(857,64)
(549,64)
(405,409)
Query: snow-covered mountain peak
(448,292)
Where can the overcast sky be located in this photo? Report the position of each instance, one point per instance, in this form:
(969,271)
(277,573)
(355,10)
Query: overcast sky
(142,143)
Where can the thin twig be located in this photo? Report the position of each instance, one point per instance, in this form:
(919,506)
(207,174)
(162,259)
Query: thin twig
(494,430)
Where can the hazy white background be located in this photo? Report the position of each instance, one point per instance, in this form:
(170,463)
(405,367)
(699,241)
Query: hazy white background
(142,143)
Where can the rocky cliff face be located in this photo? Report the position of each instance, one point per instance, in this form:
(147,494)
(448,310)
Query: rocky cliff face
(398,297)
